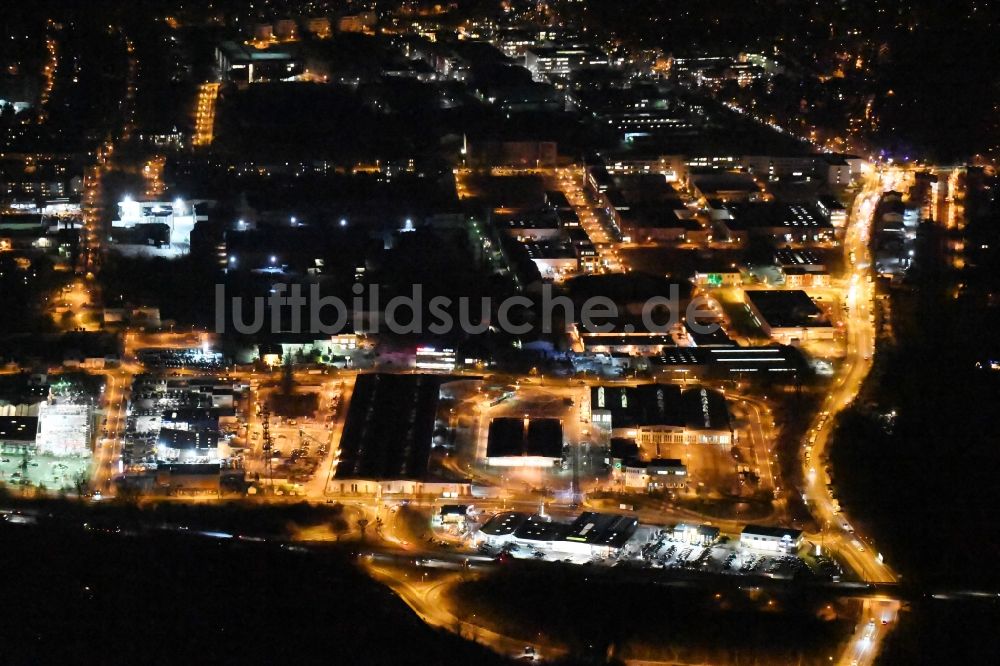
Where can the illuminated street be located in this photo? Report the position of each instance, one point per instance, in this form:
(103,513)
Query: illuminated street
(564,332)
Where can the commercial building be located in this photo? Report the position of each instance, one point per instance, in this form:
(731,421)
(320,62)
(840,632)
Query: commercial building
(599,534)
(726,186)
(499,529)
(188,479)
(730,362)
(696,535)
(545,61)
(833,210)
(723,277)
(188,446)
(655,475)
(433,359)
(456,515)
(591,534)
(620,451)
(553,258)
(788,315)
(244,64)
(64,429)
(513,442)
(802,269)
(771,539)
(659,415)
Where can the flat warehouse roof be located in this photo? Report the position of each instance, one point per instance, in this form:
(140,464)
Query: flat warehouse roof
(787,308)
(793,217)
(509,437)
(389,427)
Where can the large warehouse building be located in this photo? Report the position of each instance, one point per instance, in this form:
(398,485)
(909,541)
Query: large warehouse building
(514,442)
(788,315)
(656,415)
(386,446)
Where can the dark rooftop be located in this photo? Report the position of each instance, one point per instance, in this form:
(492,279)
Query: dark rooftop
(623,447)
(787,308)
(390,424)
(662,404)
(503,523)
(605,529)
(18,428)
(509,437)
(187,439)
(705,409)
(648,404)
(791,216)
(536,528)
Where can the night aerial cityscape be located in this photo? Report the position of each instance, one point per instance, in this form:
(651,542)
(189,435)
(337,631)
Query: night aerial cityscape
(431,332)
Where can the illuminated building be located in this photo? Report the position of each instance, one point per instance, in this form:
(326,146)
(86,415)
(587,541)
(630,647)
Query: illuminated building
(64,429)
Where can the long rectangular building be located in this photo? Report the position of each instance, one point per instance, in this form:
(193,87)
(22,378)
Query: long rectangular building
(386,442)
(661,414)
(788,315)
(590,534)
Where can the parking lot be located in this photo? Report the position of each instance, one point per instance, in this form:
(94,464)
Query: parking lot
(55,473)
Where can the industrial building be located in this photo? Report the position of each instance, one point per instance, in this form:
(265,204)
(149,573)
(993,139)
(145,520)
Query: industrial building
(658,415)
(545,61)
(386,446)
(781,223)
(654,475)
(514,442)
(245,64)
(729,362)
(788,315)
(553,258)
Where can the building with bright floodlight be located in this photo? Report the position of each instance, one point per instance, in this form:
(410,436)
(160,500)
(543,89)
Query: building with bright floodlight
(158,228)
